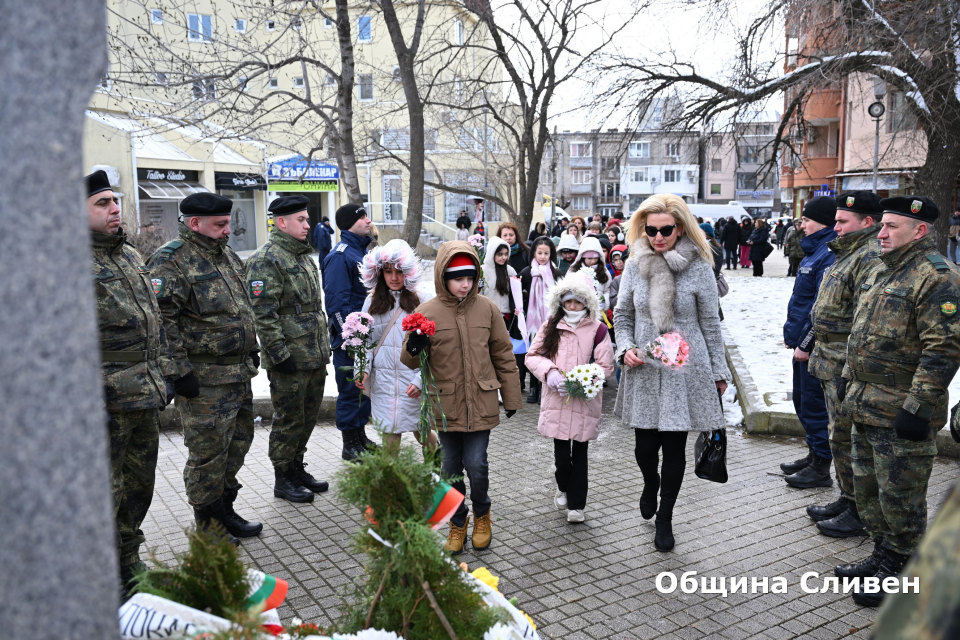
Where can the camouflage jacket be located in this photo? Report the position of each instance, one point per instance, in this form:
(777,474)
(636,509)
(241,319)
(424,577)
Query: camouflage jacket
(200,287)
(129,321)
(283,283)
(833,311)
(792,245)
(905,327)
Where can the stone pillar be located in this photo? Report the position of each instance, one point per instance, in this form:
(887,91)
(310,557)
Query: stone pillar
(58,564)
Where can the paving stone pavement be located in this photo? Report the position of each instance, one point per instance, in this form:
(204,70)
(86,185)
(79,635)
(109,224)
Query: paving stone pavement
(590,580)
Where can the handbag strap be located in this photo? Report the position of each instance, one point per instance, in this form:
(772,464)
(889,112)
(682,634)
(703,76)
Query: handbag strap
(389,327)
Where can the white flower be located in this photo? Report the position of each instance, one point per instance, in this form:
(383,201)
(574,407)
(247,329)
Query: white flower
(498,632)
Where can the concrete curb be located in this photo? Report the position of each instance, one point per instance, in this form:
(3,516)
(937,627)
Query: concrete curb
(759,420)
(262,408)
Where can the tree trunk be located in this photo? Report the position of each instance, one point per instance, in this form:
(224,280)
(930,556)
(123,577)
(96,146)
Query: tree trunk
(346,151)
(937,179)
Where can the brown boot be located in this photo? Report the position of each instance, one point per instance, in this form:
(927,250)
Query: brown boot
(481,531)
(457,537)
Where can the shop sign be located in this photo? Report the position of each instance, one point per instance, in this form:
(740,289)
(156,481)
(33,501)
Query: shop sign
(239,181)
(314,186)
(763,194)
(824,190)
(168,175)
(299,167)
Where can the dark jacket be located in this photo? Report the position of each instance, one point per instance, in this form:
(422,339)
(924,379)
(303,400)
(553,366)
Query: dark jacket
(519,260)
(746,228)
(760,239)
(557,230)
(717,257)
(798,329)
(730,236)
(322,237)
(343,292)
(464,222)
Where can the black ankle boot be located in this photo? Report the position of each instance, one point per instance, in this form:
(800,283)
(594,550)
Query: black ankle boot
(365,442)
(663,540)
(845,525)
(298,471)
(890,567)
(288,488)
(862,568)
(832,510)
(237,526)
(352,447)
(792,467)
(534,396)
(815,474)
(648,499)
(209,517)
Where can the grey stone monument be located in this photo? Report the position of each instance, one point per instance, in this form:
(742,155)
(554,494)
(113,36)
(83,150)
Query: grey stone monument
(58,564)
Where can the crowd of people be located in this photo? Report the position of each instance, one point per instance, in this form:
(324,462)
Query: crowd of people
(871,322)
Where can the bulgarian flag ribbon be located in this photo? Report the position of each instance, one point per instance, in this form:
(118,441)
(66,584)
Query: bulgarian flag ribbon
(265,591)
(446,499)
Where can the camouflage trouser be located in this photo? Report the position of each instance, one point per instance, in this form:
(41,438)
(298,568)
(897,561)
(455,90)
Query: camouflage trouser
(296,401)
(890,483)
(133,462)
(218,432)
(839,428)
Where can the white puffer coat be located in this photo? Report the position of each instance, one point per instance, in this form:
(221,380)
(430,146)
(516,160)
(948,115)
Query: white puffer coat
(391,409)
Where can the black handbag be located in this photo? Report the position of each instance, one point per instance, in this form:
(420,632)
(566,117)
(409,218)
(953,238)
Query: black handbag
(710,453)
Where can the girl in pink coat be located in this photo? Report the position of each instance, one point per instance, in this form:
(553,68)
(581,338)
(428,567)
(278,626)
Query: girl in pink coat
(572,336)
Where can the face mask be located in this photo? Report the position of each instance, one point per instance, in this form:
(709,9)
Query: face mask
(573,318)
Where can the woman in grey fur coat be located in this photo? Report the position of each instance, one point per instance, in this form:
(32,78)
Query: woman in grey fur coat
(668,284)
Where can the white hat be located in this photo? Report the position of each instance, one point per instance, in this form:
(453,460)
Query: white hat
(568,243)
(590,243)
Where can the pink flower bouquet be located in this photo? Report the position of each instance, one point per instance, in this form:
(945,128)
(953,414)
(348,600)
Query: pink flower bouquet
(357,341)
(670,350)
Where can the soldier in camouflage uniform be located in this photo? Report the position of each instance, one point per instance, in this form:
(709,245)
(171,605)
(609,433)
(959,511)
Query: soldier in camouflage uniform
(135,360)
(148,240)
(792,248)
(856,250)
(903,351)
(283,283)
(934,612)
(209,322)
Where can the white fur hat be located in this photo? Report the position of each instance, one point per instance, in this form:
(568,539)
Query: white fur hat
(568,242)
(590,243)
(396,252)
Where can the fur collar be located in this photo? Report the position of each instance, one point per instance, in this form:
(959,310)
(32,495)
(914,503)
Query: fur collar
(660,270)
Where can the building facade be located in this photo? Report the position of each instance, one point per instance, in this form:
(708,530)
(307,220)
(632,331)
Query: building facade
(738,166)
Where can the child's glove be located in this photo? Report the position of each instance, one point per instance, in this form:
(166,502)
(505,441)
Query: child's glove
(554,380)
(416,343)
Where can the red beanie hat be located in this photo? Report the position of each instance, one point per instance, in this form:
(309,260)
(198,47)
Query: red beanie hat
(461,266)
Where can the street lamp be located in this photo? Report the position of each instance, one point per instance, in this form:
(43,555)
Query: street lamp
(876,111)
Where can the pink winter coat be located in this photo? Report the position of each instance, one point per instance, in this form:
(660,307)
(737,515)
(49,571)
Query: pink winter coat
(574,420)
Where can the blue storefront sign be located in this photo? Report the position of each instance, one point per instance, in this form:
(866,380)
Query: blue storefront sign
(298,168)
(824,190)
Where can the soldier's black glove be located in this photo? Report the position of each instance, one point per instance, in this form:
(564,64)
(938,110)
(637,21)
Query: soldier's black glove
(286,366)
(255,356)
(511,412)
(171,391)
(416,343)
(911,427)
(188,386)
(841,389)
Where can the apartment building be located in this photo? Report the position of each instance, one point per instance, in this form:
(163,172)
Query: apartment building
(737,166)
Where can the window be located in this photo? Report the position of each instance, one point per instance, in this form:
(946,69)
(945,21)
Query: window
(657,114)
(105,83)
(395,74)
(714,189)
(364,29)
(765,129)
(273,83)
(671,175)
(582,176)
(204,90)
(581,203)
(458,89)
(156,16)
(458,31)
(330,81)
(429,196)
(747,153)
(610,189)
(673,149)
(240,25)
(717,142)
(610,164)
(395,139)
(199,28)
(161,77)
(392,197)
(365,81)
(271,25)
(327,23)
(639,175)
(901,117)
(241,83)
(581,149)
(298,83)
(639,150)
(752,182)
(716,165)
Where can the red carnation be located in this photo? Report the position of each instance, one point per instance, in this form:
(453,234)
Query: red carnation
(419,323)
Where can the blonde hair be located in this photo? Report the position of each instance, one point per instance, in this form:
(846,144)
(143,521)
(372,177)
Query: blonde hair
(676,207)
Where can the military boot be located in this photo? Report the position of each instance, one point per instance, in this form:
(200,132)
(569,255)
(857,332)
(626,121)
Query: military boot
(352,447)
(792,467)
(482,531)
(237,526)
(845,525)
(127,574)
(307,480)
(457,537)
(208,517)
(862,568)
(815,474)
(832,510)
(289,488)
(890,567)
(365,442)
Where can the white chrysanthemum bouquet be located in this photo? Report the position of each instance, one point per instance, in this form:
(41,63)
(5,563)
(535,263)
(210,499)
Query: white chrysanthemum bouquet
(584,382)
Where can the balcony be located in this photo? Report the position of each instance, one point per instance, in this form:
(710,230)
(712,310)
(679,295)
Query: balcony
(579,189)
(581,162)
(822,107)
(815,171)
(608,200)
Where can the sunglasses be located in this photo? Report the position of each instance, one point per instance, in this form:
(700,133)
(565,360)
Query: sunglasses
(666,231)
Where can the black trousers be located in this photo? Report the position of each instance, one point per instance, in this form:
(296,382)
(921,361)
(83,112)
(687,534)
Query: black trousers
(647,451)
(571,471)
(758,267)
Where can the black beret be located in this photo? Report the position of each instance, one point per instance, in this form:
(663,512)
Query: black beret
(288,204)
(919,207)
(347,216)
(205,204)
(863,202)
(97,182)
(822,209)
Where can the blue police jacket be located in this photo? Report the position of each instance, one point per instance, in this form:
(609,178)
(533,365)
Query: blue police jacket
(321,237)
(343,291)
(798,330)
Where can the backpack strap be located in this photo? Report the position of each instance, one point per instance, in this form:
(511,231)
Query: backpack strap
(601,334)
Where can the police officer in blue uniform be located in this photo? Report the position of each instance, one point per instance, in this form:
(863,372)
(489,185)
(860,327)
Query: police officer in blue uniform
(343,294)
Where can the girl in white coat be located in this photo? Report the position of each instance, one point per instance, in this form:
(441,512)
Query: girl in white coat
(590,259)
(392,274)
